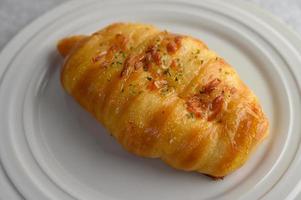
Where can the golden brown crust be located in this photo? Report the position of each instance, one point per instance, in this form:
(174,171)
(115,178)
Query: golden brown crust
(165,96)
(66,44)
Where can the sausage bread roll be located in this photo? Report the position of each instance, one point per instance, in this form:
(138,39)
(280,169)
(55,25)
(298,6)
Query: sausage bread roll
(164,95)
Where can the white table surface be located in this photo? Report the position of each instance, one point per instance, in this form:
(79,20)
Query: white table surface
(16,14)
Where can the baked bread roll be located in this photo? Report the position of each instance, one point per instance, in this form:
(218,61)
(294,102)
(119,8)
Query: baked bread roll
(164,95)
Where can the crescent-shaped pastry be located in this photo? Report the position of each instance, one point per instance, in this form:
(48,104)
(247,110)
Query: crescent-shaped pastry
(164,95)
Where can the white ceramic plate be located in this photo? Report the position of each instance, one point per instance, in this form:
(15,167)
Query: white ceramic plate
(50,148)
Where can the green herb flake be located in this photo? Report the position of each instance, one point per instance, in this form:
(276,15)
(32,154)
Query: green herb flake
(165,90)
(167,72)
(132,89)
(202,91)
(190,115)
(180,74)
(123,54)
